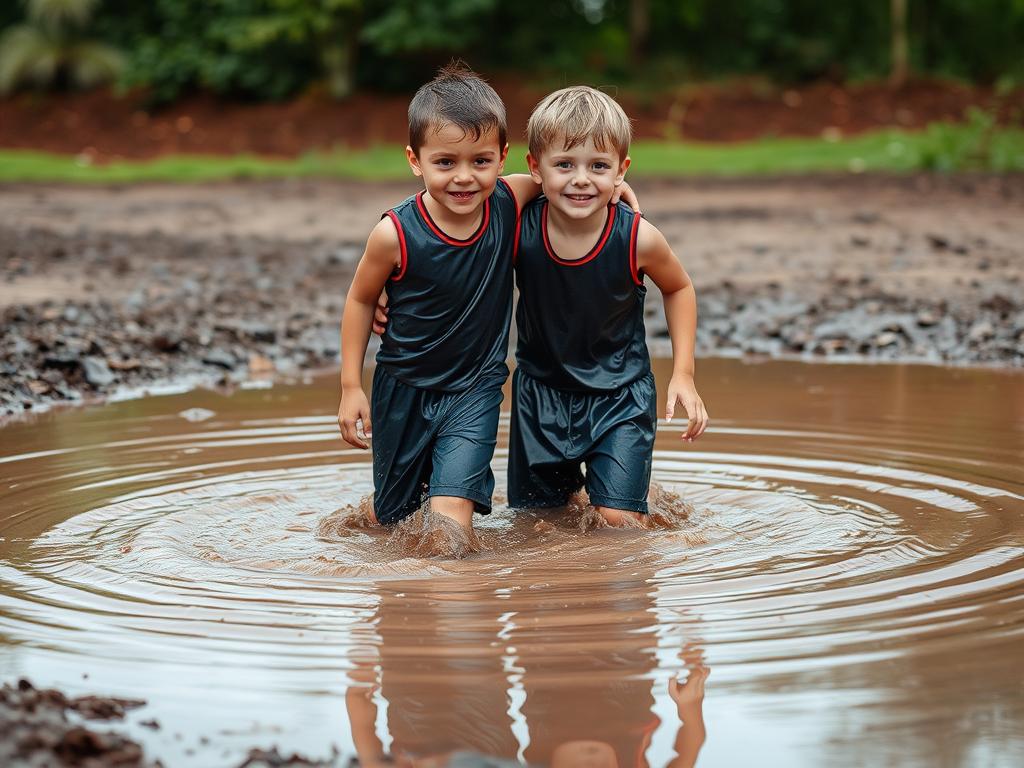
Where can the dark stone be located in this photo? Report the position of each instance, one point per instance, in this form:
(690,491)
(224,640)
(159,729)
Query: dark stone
(220,358)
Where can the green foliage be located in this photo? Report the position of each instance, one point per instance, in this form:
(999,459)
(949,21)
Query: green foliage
(51,50)
(276,48)
(251,48)
(412,26)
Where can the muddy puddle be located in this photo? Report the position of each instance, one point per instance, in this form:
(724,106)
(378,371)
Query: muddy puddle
(844,584)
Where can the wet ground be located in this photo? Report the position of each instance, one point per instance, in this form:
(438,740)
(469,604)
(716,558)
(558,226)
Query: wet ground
(844,584)
(103,289)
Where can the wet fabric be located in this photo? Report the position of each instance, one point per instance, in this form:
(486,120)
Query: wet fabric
(429,443)
(555,433)
(581,322)
(450,302)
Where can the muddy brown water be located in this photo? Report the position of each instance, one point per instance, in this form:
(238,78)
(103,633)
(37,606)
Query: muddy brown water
(849,575)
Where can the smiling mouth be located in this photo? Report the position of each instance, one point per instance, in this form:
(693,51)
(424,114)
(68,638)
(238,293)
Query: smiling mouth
(463,196)
(581,198)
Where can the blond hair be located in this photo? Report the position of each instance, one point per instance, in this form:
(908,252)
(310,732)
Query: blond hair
(576,114)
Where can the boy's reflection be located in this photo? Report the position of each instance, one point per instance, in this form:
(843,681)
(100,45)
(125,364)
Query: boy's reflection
(587,662)
(439,666)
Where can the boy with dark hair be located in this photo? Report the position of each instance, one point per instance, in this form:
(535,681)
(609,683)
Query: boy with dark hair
(444,258)
(583,392)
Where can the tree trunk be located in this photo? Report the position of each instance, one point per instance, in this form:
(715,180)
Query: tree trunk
(899,45)
(639,30)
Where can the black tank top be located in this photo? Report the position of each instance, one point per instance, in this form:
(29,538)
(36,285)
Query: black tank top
(450,302)
(581,322)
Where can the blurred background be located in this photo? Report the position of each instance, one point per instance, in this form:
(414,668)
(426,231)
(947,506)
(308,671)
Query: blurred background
(111,79)
(840,179)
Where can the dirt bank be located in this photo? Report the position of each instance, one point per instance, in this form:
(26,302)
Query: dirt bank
(102,127)
(104,288)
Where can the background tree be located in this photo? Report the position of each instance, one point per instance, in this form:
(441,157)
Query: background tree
(51,49)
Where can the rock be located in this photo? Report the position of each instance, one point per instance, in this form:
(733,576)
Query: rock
(981,331)
(322,341)
(197,414)
(886,338)
(260,365)
(999,303)
(221,358)
(167,341)
(63,360)
(97,372)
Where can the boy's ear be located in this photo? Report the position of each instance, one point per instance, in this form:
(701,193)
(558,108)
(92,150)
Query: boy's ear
(414,162)
(623,167)
(504,156)
(534,166)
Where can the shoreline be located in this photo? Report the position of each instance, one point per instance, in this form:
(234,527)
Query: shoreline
(120,290)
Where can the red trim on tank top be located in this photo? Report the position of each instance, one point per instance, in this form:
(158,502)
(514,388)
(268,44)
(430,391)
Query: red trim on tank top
(515,201)
(634,269)
(484,221)
(591,254)
(401,245)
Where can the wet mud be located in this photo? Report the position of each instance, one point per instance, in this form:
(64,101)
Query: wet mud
(120,289)
(839,580)
(35,730)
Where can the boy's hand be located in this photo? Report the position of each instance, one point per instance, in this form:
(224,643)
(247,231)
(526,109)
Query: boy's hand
(625,193)
(681,390)
(380,315)
(690,693)
(354,418)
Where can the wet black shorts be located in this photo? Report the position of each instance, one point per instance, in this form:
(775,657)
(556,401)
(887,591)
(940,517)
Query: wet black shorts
(430,443)
(555,432)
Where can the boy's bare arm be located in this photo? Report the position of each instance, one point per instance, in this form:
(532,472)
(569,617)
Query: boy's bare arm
(381,257)
(656,259)
(525,189)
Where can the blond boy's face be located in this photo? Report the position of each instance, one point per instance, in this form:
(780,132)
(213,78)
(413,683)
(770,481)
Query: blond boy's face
(578,182)
(458,171)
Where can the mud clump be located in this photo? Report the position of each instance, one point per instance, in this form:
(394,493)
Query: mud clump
(35,730)
(348,520)
(667,511)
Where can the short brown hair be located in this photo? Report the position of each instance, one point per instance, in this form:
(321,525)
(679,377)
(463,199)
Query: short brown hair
(576,114)
(460,97)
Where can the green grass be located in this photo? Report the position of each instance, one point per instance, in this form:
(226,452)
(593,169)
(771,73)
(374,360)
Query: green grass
(942,147)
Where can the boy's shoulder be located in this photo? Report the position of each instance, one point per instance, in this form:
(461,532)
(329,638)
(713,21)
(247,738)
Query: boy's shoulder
(408,203)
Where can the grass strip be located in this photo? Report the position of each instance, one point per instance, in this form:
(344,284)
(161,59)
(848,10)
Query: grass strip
(941,147)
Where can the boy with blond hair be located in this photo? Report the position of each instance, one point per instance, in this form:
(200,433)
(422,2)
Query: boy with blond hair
(583,392)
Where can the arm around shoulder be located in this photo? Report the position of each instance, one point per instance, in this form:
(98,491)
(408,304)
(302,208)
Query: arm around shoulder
(523,187)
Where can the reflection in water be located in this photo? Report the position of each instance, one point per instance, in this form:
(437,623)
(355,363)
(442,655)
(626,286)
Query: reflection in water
(852,568)
(566,681)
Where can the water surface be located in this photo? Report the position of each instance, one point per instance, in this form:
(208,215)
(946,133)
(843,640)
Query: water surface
(849,573)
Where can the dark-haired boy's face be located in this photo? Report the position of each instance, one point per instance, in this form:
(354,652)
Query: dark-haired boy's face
(458,170)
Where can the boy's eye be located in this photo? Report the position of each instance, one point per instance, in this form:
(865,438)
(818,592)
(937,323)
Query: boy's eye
(600,166)
(445,163)
(483,161)
(563,164)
